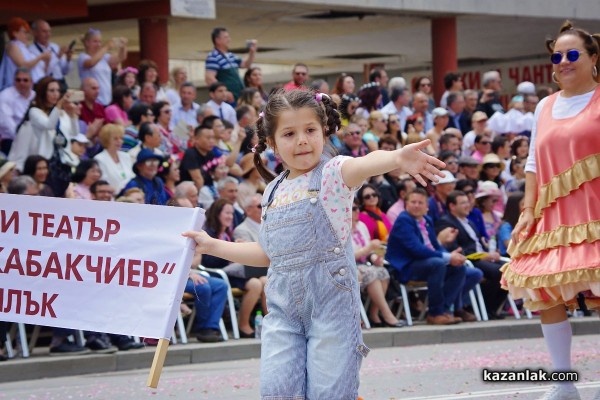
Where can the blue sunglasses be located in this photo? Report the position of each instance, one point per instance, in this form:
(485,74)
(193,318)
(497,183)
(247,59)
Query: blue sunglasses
(572,56)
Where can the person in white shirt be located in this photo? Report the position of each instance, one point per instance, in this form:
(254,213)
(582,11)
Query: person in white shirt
(398,105)
(218,92)
(179,75)
(49,114)
(16,54)
(97,61)
(248,231)
(116,165)
(60,58)
(14,102)
(186,111)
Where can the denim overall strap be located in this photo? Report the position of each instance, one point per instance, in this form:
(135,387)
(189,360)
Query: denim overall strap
(311,340)
(269,193)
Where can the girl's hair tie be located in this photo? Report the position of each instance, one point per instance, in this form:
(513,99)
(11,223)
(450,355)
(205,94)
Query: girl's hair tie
(127,70)
(319,97)
(261,114)
(254,147)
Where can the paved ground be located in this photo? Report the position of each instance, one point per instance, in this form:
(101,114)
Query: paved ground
(432,372)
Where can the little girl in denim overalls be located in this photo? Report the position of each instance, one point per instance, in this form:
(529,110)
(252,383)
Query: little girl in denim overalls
(312,344)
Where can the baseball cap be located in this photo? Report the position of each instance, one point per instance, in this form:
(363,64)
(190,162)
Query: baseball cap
(439,112)
(487,188)
(467,160)
(448,178)
(478,116)
(526,87)
(81,138)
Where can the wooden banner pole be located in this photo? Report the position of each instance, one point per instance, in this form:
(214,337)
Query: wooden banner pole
(157,363)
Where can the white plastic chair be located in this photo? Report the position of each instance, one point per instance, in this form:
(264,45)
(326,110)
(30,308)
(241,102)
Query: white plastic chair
(363,314)
(480,302)
(10,353)
(413,286)
(22,339)
(511,301)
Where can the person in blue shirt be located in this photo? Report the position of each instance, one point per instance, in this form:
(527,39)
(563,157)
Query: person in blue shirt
(415,254)
(146,168)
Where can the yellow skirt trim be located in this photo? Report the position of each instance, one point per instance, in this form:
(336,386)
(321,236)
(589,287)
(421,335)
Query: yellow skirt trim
(561,236)
(562,184)
(549,280)
(572,304)
(547,291)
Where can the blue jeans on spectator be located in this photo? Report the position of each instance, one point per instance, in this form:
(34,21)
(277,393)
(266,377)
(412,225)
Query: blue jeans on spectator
(472,277)
(209,300)
(444,282)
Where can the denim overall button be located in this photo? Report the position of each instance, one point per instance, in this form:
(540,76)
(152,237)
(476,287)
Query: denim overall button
(313,200)
(337,250)
(342,272)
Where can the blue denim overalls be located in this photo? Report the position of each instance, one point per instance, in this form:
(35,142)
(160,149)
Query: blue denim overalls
(312,342)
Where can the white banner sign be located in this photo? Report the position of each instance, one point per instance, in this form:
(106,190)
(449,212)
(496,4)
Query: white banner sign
(206,9)
(94,265)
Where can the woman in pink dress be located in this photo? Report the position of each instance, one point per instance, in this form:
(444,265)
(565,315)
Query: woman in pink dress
(555,246)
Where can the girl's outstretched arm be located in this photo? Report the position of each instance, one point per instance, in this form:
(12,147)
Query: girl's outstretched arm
(249,253)
(410,159)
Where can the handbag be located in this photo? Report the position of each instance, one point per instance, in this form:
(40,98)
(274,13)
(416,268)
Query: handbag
(60,172)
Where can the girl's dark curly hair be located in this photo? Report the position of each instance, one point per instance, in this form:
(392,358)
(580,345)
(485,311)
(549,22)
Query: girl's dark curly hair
(323,106)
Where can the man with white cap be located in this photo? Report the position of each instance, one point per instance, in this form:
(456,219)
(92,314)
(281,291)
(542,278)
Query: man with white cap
(468,168)
(440,121)
(489,101)
(478,123)
(437,202)
(525,87)
(77,149)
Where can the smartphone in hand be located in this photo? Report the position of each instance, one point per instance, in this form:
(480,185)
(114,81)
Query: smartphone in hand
(75,96)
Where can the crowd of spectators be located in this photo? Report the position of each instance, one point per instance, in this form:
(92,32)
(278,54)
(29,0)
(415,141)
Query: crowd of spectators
(129,138)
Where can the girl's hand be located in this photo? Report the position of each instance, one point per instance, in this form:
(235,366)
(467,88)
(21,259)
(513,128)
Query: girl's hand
(523,228)
(202,239)
(418,164)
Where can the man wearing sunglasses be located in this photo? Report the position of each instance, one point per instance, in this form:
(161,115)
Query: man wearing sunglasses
(489,101)
(299,78)
(146,169)
(353,145)
(14,102)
